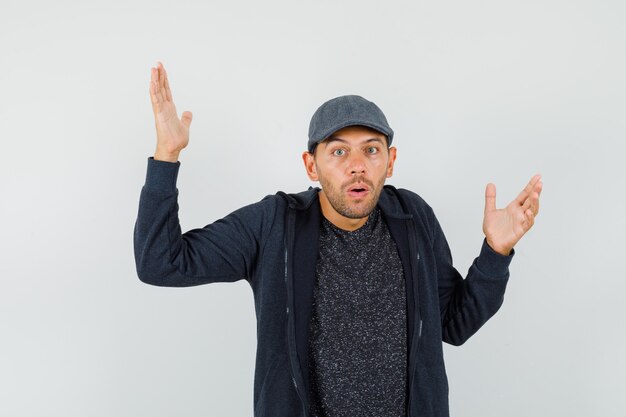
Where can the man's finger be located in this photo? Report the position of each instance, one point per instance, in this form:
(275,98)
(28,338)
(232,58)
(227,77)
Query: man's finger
(161,82)
(523,195)
(155,95)
(530,219)
(168,92)
(490,197)
(535,203)
(157,92)
(186,118)
(532,203)
(538,189)
(534,197)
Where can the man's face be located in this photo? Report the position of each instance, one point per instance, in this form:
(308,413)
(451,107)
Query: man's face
(351,166)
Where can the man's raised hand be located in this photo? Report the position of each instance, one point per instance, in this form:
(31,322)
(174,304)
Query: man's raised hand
(503,228)
(172,132)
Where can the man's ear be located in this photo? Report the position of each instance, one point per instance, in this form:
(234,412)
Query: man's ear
(309,165)
(392,160)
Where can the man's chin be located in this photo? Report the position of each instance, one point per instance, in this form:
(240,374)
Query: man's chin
(357,212)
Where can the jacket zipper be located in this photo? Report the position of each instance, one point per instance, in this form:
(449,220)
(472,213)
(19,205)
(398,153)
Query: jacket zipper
(290,316)
(291,325)
(417,333)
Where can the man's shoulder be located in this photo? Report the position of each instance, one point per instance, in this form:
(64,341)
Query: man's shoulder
(401,199)
(301,200)
(276,205)
(407,194)
(403,203)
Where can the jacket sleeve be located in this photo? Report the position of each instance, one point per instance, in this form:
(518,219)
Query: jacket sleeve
(224,251)
(466,304)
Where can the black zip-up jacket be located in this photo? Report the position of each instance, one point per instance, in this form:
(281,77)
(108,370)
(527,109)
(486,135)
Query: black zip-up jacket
(273,244)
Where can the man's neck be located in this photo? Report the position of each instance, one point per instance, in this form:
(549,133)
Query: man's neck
(340,221)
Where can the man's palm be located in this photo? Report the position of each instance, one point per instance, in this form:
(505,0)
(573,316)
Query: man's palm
(172,132)
(503,228)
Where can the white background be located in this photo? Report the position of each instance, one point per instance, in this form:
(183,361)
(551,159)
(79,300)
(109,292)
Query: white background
(476,91)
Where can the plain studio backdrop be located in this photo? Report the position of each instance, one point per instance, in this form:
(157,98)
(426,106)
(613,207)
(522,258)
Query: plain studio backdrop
(476,91)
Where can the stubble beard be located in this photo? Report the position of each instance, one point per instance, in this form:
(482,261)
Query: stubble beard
(338,198)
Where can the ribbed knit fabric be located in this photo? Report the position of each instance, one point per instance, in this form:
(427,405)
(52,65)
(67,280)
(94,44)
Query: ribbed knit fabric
(357,337)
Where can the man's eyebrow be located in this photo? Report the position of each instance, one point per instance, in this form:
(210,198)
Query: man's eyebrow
(338,139)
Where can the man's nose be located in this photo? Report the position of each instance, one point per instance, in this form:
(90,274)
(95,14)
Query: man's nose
(356,165)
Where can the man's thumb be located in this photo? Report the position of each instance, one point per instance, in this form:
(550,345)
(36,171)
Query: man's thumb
(490,197)
(186,118)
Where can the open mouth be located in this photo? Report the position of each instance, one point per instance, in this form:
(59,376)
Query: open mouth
(358,190)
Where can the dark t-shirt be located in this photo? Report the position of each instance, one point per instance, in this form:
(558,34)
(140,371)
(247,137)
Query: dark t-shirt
(358,330)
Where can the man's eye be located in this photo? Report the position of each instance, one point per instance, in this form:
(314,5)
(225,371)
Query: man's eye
(339,152)
(372,150)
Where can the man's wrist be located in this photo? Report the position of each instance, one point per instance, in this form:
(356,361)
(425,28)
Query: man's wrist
(499,249)
(161,155)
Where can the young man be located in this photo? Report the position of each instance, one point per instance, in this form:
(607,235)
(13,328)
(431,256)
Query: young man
(353,283)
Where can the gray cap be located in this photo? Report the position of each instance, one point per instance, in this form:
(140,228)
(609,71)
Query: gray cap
(344,111)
